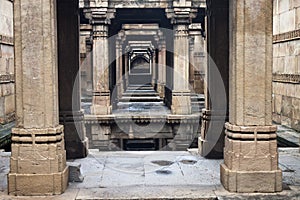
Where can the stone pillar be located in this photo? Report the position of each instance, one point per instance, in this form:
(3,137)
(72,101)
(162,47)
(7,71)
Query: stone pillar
(211,141)
(250,154)
(126,63)
(119,68)
(181,15)
(86,46)
(191,62)
(38,158)
(70,113)
(162,69)
(181,99)
(154,69)
(101,94)
(198,56)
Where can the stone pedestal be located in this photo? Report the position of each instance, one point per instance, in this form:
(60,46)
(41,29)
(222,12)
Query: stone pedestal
(101,95)
(251,159)
(250,154)
(38,157)
(38,162)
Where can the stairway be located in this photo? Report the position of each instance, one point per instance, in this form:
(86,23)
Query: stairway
(141,98)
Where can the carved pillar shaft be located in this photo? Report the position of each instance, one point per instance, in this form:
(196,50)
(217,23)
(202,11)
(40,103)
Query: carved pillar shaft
(162,70)
(181,100)
(250,154)
(38,159)
(119,69)
(154,69)
(191,63)
(126,63)
(101,95)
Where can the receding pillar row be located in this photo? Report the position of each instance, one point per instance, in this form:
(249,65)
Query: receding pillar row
(38,158)
(250,154)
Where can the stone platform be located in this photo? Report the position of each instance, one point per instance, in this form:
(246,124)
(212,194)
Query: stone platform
(158,175)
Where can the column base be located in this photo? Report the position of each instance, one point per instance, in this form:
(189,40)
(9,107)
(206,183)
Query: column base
(251,181)
(251,159)
(211,140)
(161,90)
(38,184)
(38,162)
(76,142)
(101,104)
(181,104)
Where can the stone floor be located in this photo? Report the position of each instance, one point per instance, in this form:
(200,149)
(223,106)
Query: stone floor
(158,175)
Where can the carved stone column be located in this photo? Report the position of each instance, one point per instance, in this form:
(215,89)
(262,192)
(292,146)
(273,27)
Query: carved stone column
(126,63)
(101,95)
(154,69)
(162,69)
(192,61)
(197,54)
(70,113)
(181,15)
(250,154)
(38,158)
(119,68)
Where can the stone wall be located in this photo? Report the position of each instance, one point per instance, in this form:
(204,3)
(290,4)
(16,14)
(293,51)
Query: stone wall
(7,94)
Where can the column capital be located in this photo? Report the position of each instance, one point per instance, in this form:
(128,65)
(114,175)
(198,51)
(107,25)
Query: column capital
(99,15)
(181,12)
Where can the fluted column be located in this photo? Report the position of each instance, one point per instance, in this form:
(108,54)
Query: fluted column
(250,154)
(101,104)
(38,158)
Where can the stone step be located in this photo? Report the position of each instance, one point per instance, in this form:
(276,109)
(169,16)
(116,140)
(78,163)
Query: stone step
(144,105)
(146,94)
(141,99)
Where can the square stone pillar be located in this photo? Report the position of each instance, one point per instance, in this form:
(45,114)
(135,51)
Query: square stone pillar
(181,97)
(154,69)
(101,104)
(119,69)
(126,63)
(38,157)
(162,69)
(250,154)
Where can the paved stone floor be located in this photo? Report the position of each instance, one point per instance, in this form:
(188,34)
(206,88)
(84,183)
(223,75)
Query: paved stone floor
(158,175)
